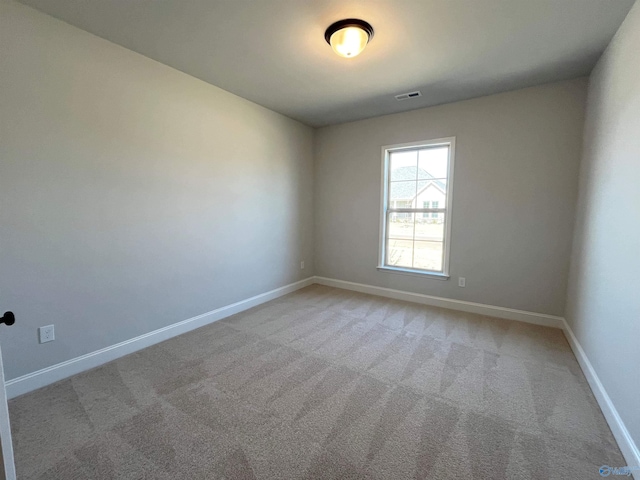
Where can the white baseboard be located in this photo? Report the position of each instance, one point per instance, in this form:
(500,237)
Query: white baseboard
(623,437)
(480,308)
(627,446)
(60,371)
(46,376)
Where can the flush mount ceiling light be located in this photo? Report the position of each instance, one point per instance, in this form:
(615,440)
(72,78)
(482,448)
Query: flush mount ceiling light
(348,37)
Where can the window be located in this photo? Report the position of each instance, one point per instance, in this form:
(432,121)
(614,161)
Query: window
(430,205)
(434,205)
(416,210)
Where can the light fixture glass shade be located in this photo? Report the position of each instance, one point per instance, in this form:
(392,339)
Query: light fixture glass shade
(348,37)
(349,41)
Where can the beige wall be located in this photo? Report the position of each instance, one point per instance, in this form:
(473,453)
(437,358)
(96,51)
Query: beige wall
(603,306)
(516,168)
(133,196)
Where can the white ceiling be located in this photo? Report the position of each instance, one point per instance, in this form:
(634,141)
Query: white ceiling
(273,52)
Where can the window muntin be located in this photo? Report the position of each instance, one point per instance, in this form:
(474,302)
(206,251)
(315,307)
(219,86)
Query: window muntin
(417,206)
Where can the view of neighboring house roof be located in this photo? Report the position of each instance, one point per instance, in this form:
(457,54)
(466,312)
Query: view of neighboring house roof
(405,190)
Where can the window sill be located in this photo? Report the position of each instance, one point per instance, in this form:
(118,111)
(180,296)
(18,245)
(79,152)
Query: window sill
(414,273)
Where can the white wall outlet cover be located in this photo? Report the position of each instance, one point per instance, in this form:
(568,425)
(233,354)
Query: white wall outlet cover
(462,281)
(46,334)
(301,265)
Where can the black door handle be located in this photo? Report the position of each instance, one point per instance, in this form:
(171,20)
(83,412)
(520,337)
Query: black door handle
(9,318)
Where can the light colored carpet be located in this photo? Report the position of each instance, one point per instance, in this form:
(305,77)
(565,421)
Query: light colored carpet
(325,384)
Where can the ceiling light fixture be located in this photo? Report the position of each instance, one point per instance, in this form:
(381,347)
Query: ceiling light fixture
(348,37)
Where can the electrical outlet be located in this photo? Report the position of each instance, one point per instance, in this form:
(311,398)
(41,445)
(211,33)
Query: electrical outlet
(46,334)
(301,265)
(462,282)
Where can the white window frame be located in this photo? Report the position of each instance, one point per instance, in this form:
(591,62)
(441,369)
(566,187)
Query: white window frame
(386,150)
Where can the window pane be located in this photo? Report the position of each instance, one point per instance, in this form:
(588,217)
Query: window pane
(429,226)
(402,193)
(403,165)
(400,253)
(430,190)
(428,255)
(433,162)
(400,226)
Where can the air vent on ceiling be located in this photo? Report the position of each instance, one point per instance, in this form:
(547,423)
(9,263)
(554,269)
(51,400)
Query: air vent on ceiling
(406,96)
